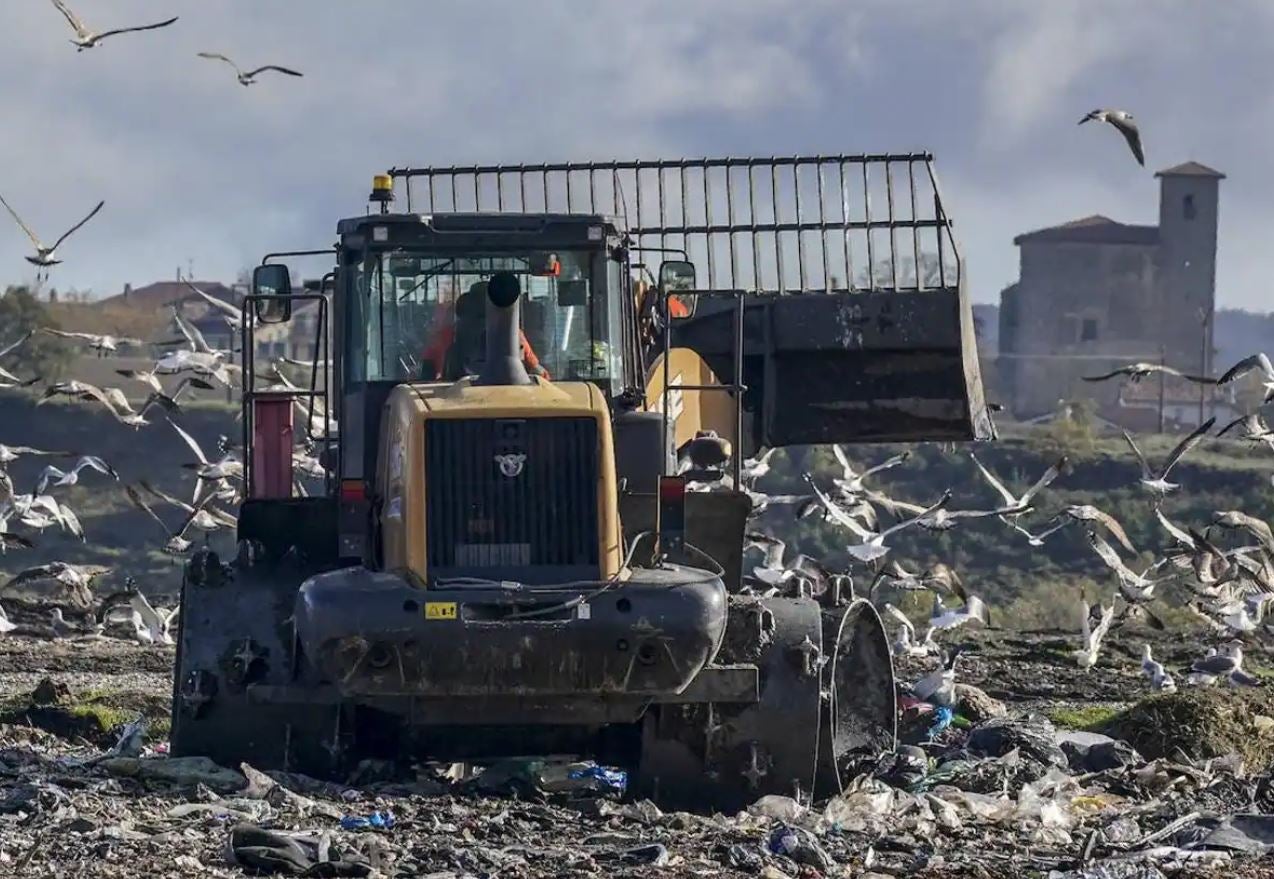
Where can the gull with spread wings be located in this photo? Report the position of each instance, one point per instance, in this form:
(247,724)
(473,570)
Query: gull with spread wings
(249,77)
(45,255)
(100,343)
(1248,364)
(1121,121)
(1135,372)
(85,38)
(1019,504)
(1156,482)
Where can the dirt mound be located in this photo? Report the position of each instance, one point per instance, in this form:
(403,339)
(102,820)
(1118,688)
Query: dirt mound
(1201,724)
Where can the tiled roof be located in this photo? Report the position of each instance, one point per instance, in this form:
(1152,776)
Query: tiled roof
(1190,169)
(1095,229)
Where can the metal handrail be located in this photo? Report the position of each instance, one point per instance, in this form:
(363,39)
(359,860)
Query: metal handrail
(778,224)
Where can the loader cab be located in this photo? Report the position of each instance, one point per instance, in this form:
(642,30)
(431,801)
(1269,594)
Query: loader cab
(411,303)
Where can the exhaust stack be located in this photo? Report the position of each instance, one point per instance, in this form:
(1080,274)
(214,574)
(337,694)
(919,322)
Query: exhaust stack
(504,345)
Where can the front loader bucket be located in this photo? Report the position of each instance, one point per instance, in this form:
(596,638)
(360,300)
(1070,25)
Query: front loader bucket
(846,367)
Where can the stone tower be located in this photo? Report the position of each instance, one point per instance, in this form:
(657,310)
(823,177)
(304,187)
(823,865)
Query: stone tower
(1188,199)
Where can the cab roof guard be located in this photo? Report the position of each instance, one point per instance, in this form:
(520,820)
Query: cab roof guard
(839,223)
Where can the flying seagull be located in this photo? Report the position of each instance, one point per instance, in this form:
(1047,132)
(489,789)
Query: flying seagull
(1254,429)
(1020,503)
(1095,623)
(47,256)
(77,578)
(248,77)
(753,469)
(5,375)
(229,313)
(1157,482)
(1135,372)
(851,481)
(87,39)
(943,618)
(905,643)
(1122,121)
(1089,513)
(71,477)
(1246,365)
(102,344)
(9,454)
(1037,539)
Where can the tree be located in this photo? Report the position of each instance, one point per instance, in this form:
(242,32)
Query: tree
(42,355)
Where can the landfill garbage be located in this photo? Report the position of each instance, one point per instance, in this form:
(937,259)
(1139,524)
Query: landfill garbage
(974,703)
(374,821)
(600,778)
(1250,834)
(801,846)
(273,852)
(177,770)
(778,807)
(1032,735)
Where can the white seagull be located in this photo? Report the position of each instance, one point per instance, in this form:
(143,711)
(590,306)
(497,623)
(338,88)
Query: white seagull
(87,39)
(8,378)
(1156,482)
(1020,503)
(102,344)
(1246,365)
(46,256)
(1135,372)
(873,545)
(1160,680)
(754,468)
(851,481)
(1121,121)
(1095,623)
(938,687)
(229,313)
(943,618)
(62,477)
(1228,664)
(248,77)
(157,622)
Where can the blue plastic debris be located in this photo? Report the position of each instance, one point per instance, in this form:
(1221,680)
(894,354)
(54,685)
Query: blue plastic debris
(942,718)
(607,779)
(374,821)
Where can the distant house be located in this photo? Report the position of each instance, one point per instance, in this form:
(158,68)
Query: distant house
(1094,293)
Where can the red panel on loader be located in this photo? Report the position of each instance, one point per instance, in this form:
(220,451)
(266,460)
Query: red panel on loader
(272,448)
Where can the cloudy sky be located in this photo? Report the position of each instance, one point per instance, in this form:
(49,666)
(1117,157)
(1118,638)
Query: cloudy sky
(195,168)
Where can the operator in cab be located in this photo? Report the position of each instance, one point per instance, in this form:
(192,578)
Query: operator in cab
(459,343)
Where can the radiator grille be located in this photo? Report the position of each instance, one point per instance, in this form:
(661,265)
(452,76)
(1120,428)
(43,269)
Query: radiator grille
(512,498)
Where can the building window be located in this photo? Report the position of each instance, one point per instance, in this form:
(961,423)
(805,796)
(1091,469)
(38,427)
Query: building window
(1187,207)
(1088,330)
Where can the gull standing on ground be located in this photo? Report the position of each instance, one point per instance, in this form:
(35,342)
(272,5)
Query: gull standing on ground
(1121,121)
(157,623)
(938,687)
(1156,482)
(1228,664)
(1248,364)
(87,39)
(248,77)
(45,256)
(1160,680)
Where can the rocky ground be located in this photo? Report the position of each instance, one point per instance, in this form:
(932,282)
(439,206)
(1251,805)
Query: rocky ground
(989,797)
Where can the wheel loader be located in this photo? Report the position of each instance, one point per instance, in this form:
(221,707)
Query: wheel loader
(505,558)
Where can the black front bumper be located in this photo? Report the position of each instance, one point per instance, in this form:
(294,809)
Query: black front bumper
(373,635)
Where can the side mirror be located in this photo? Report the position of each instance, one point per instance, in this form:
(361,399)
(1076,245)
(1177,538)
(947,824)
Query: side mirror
(275,282)
(677,275)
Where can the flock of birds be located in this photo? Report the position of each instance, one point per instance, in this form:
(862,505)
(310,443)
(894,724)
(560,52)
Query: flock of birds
(1230,587)
(218,483)
(45,255)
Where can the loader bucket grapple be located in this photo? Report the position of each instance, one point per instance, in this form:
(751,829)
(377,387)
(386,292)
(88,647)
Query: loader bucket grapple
(488,569)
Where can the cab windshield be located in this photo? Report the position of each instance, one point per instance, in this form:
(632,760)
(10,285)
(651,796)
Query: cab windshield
(420,316)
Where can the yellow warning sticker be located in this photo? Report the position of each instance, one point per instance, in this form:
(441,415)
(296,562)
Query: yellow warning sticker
(440,610)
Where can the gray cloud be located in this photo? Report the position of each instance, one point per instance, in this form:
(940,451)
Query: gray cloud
(194,166)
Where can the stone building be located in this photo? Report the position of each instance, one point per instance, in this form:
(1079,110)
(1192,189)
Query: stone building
(1095,293)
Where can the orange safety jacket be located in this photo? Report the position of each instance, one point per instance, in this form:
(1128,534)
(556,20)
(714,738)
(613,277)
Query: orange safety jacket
(436,351)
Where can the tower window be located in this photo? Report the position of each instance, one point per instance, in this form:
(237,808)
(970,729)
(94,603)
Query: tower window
(1088,330)
(1187,207)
